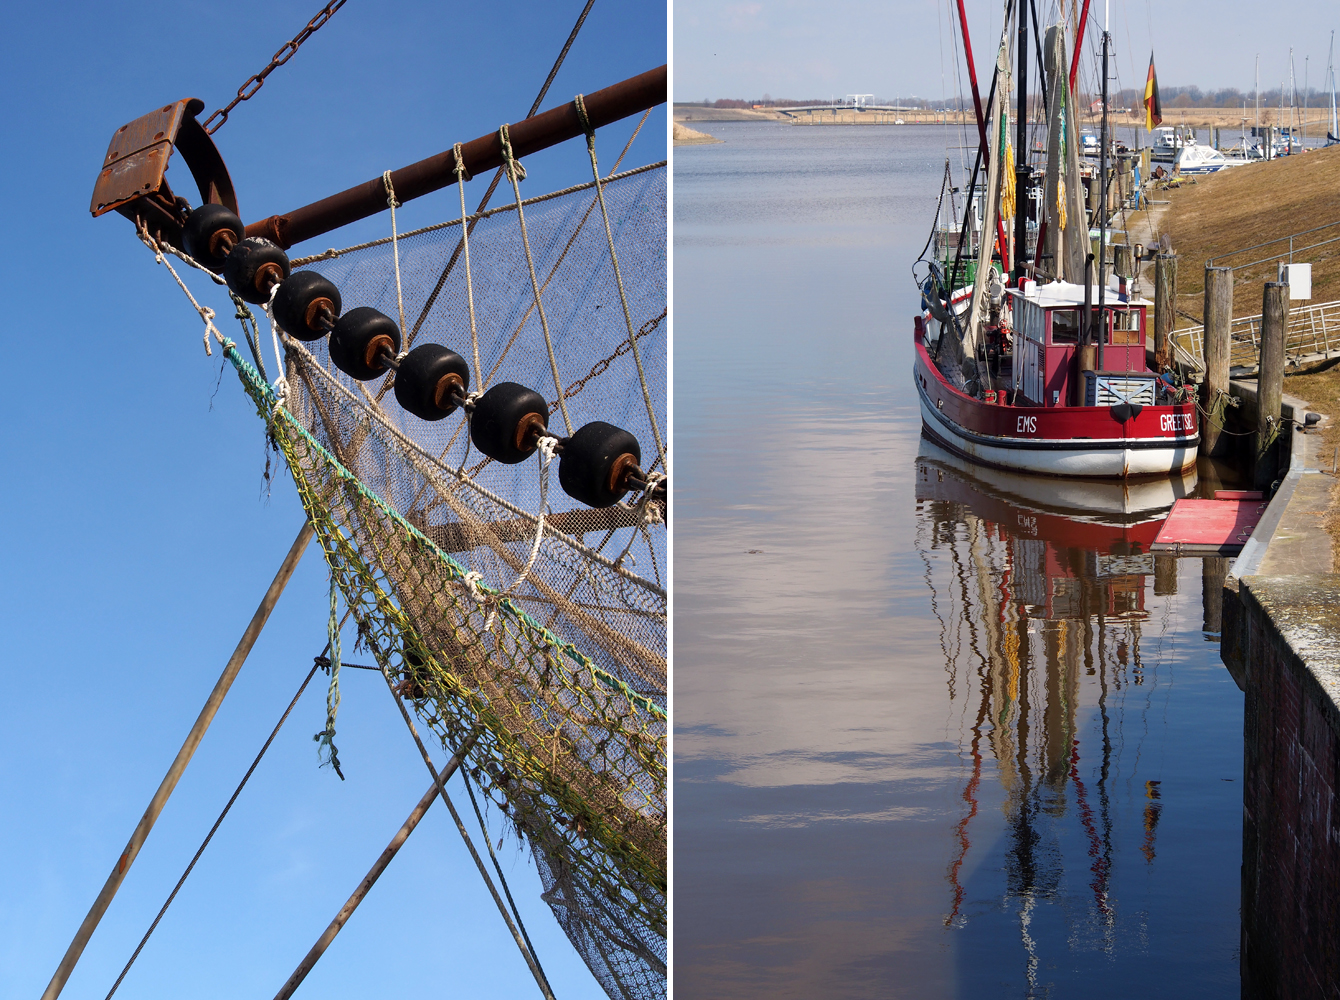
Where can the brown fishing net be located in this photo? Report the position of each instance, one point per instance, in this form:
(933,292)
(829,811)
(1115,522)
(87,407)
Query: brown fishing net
(554,650)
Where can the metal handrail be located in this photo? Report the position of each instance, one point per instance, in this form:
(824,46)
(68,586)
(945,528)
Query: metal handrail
(1330,225)
(1312,330)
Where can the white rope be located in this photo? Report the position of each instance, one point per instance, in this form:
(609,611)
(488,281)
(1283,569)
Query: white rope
(546,448)
(649,513)
(206,313)
(280,384)
(463,175)
(514,174)
(395,245)
(618,277)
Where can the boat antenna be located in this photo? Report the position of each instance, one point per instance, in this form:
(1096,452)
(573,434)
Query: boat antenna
(1102,196)
(1258,91)
(1334,134)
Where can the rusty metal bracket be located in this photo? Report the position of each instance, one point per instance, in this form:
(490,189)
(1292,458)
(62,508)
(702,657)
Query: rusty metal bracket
(133,180)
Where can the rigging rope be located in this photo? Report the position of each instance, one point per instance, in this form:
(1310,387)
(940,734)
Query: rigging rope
(213,829)
(395,246)
(516,173)
(526,953)
(580,104)
(463,175)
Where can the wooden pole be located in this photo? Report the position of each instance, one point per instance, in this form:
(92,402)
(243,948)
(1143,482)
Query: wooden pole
(1270,381)
(183,758)
(1165,299)
(374,873)
(1218,321)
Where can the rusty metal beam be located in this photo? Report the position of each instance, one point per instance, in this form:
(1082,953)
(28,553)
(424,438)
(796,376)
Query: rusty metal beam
(481,155)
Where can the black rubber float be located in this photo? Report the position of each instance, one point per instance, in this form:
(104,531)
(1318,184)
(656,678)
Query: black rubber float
(360,339)
(253,267)
(210,233)
(599,464)
(307,305)
(506,422)
(431,381)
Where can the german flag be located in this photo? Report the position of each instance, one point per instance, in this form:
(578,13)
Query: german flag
(1153,106)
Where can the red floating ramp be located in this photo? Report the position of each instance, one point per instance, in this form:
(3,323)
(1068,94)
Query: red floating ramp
(1209,527)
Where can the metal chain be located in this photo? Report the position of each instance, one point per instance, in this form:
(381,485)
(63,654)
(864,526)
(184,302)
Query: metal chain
(282,56)
(602,366)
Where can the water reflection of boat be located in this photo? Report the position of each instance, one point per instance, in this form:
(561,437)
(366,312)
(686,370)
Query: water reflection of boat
(1066,500)
(1050,590)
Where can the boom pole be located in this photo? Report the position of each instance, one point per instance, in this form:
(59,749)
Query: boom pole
(530,135)
(183,758)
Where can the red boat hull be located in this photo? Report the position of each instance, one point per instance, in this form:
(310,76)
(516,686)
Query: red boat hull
(1081,441)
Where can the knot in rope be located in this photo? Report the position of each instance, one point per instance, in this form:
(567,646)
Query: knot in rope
(548,447)
(471,581)
(584,120)
(515,171)
(462,175)
(390,190)
(652,513)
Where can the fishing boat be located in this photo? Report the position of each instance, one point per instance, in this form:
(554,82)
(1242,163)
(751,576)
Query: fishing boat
(1024,358)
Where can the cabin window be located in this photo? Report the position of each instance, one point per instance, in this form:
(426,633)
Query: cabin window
(1125,327)
(1065,326)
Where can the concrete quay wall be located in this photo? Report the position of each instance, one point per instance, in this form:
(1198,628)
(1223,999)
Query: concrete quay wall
(1281,641)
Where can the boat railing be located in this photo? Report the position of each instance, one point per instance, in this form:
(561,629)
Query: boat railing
(1312,333)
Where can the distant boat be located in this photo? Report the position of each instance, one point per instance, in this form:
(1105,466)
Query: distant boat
(1168,141)
(1088,143)
(1193,160)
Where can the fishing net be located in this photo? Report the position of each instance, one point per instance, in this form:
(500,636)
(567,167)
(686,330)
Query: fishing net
(548,644)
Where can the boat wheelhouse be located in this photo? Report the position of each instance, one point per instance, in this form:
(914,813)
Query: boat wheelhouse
(1048,402)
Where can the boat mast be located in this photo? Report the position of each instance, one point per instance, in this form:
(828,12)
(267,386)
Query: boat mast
(1334,133)
(1102,196)
(1021,171)
(1258,94)
(977,103)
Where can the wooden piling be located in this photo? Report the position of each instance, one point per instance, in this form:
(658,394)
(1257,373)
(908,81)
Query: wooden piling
(1165,299)
(1218,320)
(1270,382)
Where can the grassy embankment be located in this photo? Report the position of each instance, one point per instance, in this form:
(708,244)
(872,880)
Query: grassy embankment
(1238,208)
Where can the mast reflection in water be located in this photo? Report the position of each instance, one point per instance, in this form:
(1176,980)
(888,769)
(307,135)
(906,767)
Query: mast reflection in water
(1054,626)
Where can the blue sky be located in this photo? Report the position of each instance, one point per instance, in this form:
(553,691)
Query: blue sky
(816,48)
(138,535)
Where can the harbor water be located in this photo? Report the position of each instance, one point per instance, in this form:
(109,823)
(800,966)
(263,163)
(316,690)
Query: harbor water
(939,732)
